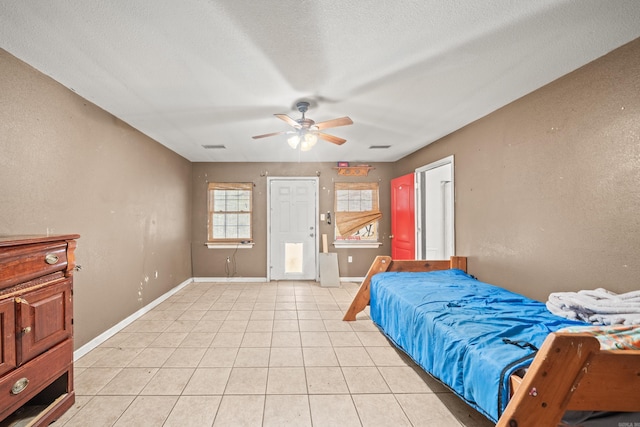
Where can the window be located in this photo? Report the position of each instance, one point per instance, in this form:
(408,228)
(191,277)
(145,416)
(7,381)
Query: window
(230,208)
(357,213)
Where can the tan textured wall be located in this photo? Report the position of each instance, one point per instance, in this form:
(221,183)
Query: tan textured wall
(253,262)
(66,166)
(548,187)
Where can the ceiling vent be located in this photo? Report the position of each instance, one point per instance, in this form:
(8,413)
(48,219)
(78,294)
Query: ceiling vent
(214,147)
(379,147)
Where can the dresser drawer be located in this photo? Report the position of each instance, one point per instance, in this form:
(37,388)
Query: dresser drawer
(20,264)
(23,383)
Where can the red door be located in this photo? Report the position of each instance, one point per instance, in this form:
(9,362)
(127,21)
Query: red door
(403,235)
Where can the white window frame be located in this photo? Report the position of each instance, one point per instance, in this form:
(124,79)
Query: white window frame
(353,240)
(246,241)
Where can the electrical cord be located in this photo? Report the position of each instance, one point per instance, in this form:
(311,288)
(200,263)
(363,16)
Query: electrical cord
(230,264)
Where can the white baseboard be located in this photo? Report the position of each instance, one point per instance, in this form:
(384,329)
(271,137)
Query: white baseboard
(256,279)
(229,279)
(352,279)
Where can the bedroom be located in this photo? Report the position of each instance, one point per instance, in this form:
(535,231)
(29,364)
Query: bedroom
(546,190)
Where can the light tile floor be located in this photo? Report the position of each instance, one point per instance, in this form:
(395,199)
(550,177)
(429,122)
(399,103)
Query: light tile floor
(257,354)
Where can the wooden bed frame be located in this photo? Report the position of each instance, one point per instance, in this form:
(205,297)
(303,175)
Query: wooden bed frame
(569,372)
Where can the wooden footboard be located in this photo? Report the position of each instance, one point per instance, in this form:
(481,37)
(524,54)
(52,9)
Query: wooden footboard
(570,372)
(385,263)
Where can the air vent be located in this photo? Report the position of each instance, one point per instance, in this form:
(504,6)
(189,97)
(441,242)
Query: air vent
(379,147)
(214,147)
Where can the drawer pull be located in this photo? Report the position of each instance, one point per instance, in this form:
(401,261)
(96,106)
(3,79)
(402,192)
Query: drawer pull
(51,259)
(19,386)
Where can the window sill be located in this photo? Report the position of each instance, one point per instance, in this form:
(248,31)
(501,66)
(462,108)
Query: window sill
(338,244)
(238,245)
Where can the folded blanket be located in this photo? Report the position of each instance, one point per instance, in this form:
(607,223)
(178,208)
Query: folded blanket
(598,306)
(617,337)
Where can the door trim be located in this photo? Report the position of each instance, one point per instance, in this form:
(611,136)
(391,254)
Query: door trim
(316,180)
(419,173)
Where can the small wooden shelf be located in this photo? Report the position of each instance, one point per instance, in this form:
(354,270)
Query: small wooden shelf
(354,170)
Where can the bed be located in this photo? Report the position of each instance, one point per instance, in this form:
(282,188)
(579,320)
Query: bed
(424,315)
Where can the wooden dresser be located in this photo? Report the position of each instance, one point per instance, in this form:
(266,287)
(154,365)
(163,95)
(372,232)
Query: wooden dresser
(36,328)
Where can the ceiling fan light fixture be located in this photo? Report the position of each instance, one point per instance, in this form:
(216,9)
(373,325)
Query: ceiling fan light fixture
(311,138)
(308,131)
(305,146)
(305,139)
(308,141)
(293,141)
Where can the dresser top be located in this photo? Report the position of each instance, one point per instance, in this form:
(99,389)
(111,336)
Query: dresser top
(27,239)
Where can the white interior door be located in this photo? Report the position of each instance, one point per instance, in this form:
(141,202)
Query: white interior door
(293,213)
(435,211)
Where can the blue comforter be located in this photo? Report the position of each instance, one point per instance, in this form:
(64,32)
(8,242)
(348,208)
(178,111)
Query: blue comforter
(468,334)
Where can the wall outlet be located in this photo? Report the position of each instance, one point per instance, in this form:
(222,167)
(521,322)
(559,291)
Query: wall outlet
(349,258)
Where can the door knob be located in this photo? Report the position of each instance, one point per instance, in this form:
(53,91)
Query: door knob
(391,236)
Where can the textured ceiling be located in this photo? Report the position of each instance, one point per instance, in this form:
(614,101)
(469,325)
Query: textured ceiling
(193,72)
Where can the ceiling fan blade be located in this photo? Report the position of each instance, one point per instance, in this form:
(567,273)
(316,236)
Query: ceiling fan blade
(331,138)
(289,120)
(342,121)
(268,134)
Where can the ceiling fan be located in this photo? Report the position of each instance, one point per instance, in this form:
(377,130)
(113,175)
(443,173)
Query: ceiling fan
(307,131)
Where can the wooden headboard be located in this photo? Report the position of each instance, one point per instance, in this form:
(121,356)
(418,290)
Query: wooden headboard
(384,263)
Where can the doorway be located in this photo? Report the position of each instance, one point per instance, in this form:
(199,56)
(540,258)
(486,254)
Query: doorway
(292,228)
(435,210)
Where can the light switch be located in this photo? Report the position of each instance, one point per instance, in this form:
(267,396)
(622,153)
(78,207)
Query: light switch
(321,217)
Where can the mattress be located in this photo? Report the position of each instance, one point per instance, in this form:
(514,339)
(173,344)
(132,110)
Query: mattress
(468,334)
